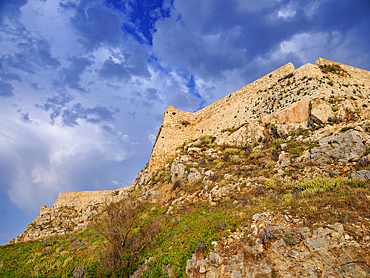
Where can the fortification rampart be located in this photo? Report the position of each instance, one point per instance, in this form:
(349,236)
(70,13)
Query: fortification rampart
(284,94)
(81,199)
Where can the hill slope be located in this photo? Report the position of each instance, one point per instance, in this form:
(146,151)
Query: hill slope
(271,181)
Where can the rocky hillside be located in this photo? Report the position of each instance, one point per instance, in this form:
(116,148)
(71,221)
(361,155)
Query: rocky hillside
(310,194)
(284,195)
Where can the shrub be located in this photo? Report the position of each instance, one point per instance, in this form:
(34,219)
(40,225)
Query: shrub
(123,242)
(185,123)
(270,164)
(202,161)
(364,161)
(239,171)
(311,187)
(167,177)
(221,226)
(274,155)
(225,157)
(260,190)
(219,165)
(200,247)
(45,243)
(289,239)
(211,158)
(266,235)
(287,198)
(213,177)
(270,184)
(247,149)
(276,198)
(176,184)
(256,154)
(331,68)
(231,151)
(335,108)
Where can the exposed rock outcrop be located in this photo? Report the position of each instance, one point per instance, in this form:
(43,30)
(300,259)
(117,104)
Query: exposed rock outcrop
(293,252)
(343,147)
(363,175)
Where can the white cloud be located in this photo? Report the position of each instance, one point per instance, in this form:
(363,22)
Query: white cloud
(49,159)
(287,11)
(312,8)
(152,138)
(309,46)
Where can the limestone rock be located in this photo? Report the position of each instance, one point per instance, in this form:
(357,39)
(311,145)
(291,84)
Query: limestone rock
(320,110)
(177,171)
(194,175)
(144,178)
(324,252)
(343,147)
(363,175)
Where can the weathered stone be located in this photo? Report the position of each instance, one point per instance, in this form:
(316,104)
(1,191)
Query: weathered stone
(177,171)
(208,173)
(71,211)
(343,147)
(363,175)
(144,178)
(313,121)
(194,175)
(327,257)
(320,112)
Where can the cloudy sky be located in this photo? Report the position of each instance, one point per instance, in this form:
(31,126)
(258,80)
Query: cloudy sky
(84,83)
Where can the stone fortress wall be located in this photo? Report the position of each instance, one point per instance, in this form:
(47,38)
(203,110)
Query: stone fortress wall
(70,212)
(287,94)
(81,199)
(286,97)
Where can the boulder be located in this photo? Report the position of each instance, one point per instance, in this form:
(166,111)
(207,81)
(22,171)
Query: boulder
(363,175)
(177,171)
(344,147)
(194,175)
(145,178)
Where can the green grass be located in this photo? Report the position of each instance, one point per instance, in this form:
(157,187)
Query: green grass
(36,260)
(181,233)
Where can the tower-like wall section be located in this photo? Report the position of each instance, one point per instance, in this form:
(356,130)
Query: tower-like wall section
(177,127)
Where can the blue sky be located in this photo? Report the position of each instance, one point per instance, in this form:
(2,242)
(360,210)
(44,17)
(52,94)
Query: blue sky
(84,84)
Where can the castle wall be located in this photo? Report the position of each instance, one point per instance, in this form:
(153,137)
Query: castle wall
(359,76)
(285,93)
(82,199)
(230,111)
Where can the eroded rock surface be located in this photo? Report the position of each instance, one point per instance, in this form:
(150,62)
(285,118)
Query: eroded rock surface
(293,252)
(344,147)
